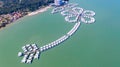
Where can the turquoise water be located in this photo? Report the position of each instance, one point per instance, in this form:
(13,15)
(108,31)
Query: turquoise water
(93,45)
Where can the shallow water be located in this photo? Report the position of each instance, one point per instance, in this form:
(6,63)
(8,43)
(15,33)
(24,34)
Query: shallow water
(93,45)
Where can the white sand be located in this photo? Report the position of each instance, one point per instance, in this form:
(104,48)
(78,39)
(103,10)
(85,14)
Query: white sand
(39,11)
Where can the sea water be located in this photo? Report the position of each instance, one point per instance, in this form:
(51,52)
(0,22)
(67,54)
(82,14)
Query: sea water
(93,45)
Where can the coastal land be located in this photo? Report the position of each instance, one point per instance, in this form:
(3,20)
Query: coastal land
(11,10)
(6,19)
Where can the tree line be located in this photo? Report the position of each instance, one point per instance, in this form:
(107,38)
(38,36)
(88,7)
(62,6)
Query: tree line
(10,6)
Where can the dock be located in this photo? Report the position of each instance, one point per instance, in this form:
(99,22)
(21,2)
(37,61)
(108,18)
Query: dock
(69,11)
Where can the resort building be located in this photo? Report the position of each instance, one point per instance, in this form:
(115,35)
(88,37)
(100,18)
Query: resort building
(60,2)
(30,52)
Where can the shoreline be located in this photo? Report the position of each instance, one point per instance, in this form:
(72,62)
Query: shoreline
(40,10)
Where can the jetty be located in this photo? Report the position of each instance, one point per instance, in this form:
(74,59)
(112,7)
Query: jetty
(72,14)
(61,39)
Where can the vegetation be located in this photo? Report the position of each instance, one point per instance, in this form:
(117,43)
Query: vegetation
(9,6)
(11,10)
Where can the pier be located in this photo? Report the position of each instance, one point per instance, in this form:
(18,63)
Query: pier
(72,14)
(31,52)
(54,43)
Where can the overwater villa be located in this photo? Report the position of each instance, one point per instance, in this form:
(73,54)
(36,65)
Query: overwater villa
(30,52)
(73,14)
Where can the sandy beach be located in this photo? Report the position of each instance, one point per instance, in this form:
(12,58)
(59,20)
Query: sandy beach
(39,11)
(17,16)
